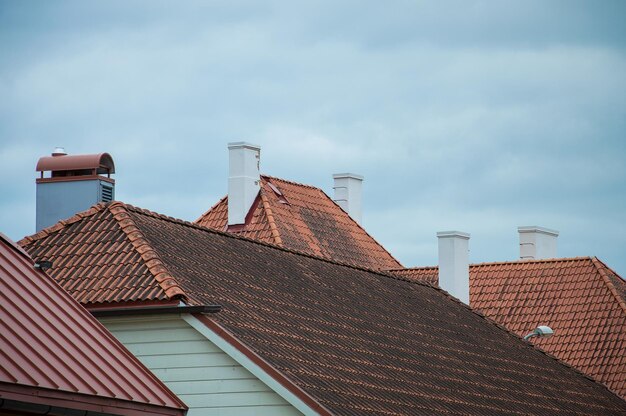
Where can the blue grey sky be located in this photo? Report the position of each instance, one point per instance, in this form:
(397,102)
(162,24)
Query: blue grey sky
(477,116)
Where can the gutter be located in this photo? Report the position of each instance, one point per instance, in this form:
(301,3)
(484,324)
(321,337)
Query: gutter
(41,409)
(155,310)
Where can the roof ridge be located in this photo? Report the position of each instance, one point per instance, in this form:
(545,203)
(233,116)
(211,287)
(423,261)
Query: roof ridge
(412,268)
(551,260)
(153,262)
(270,218)
(382,273)
(179,221)
(266,177)
(607,281)
(502,262)
(43,233)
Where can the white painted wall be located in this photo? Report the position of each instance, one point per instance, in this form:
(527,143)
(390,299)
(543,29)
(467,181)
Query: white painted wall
(208,380)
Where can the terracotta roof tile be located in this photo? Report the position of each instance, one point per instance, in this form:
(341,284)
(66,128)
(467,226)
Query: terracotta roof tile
(305,219)
(357,341)
(54,353)
(101,256)
(581,299)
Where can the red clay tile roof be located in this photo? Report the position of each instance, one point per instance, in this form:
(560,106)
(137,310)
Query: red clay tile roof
(428,275)
(357,341)
(54,353)
(581,299)
(99,260)
(303,218)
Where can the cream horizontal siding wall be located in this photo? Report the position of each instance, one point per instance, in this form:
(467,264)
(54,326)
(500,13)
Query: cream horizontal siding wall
(202,375)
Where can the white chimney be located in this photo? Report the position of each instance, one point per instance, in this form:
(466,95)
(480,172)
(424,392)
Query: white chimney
(348,193)
(243,180)
(537,242)
(454,264)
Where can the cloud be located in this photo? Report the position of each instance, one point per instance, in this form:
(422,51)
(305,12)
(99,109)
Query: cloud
(469,114)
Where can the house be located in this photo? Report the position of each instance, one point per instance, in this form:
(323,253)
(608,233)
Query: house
(295,216)
(55,358)
(581,299)
(296,334)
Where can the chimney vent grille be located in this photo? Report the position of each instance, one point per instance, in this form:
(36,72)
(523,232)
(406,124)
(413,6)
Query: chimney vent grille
(107,193)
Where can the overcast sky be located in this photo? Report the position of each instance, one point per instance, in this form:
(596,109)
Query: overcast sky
(477,116)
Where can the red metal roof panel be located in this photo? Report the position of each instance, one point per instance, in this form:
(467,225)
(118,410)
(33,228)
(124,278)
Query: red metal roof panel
(51,346)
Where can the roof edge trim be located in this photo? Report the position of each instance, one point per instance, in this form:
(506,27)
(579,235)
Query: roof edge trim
(75,401)
(155,310)
(250,360)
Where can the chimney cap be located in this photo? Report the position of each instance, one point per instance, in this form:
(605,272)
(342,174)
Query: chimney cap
(102,162)
(243,145)
(536,229)
(59,151)
(347,175)
(446,234)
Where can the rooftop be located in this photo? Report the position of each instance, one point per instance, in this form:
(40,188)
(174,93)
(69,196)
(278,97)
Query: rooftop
(581,299)
(356,340)
(303,218)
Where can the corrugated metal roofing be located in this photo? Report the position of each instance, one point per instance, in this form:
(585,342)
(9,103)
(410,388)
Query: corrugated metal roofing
(358,341)
(581,299)
(303,218)
(54,352)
